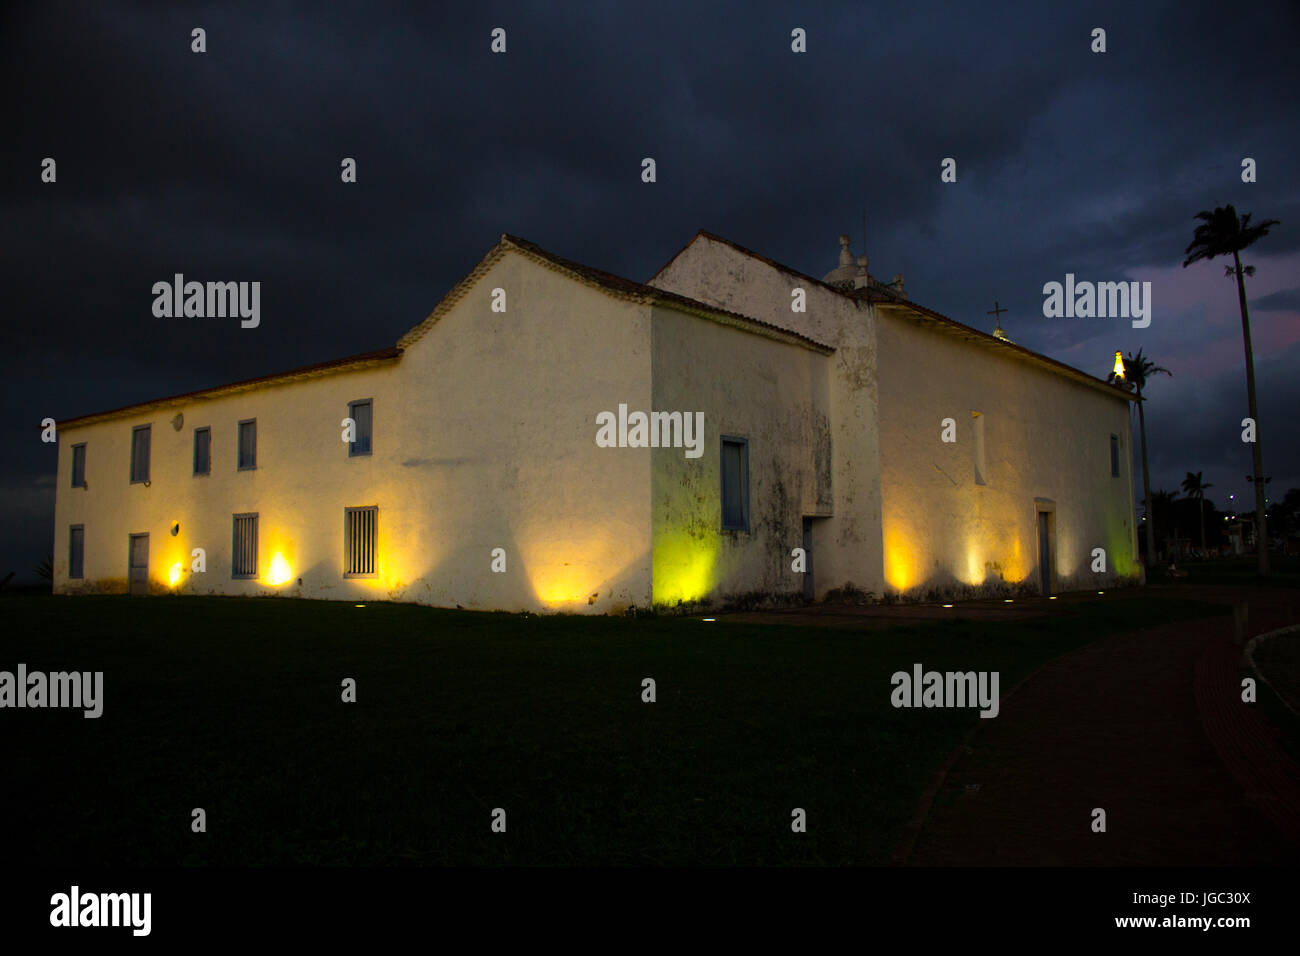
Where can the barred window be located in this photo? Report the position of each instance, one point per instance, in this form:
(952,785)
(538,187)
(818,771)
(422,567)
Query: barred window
(359,529)
(243,549)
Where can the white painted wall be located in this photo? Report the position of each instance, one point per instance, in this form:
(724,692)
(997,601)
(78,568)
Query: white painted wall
(848,542)
(773,394)
(1045,437)
(484,437)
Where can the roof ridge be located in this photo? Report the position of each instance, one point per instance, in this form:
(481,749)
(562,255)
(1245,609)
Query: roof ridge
(1003,343)
(887,297)
(620,284)
(377,355)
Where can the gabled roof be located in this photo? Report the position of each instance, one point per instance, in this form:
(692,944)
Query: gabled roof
(920,315)
(897,305)
(611,284)
(780,267)
(351,363)
(608,282)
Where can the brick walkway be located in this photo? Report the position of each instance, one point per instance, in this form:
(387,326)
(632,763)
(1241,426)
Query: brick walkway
(1148,726)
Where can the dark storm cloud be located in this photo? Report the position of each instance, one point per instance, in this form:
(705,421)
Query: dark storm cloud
(1287,300)
(225,166)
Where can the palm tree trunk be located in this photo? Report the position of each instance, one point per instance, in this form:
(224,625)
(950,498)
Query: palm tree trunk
(1146,488)
(1261,521)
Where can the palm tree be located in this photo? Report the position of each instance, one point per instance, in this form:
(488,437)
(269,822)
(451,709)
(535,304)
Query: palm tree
(1221,233)
(1137,369)
(1195,488)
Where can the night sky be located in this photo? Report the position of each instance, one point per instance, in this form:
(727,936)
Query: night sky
(226,166)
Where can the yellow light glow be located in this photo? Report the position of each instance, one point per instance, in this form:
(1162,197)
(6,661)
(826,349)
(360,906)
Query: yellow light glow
(947,605)
(708,619)
(900,559)
(1052,598)
(358,605)
(279,572)
(975,571)
(683,566)
(1119,365)
(571,564)
(174,575)
(1007,561)
(1014,570)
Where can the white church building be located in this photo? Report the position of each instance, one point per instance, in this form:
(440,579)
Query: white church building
(554,437)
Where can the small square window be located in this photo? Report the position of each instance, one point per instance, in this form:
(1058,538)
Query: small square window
(140,454)
(248,444)
(76,551)
(735,484)
(79,465)
(361,414)
(202,451)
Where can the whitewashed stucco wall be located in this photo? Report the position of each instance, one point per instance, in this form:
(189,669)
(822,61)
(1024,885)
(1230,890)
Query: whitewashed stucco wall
(484,437)
(848,541)
(1045,438)
(772,394)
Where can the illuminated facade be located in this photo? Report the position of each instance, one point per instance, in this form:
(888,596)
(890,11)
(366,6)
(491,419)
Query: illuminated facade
(1037,476)
(470,475)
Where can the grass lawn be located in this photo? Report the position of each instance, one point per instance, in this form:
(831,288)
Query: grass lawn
(233,705)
